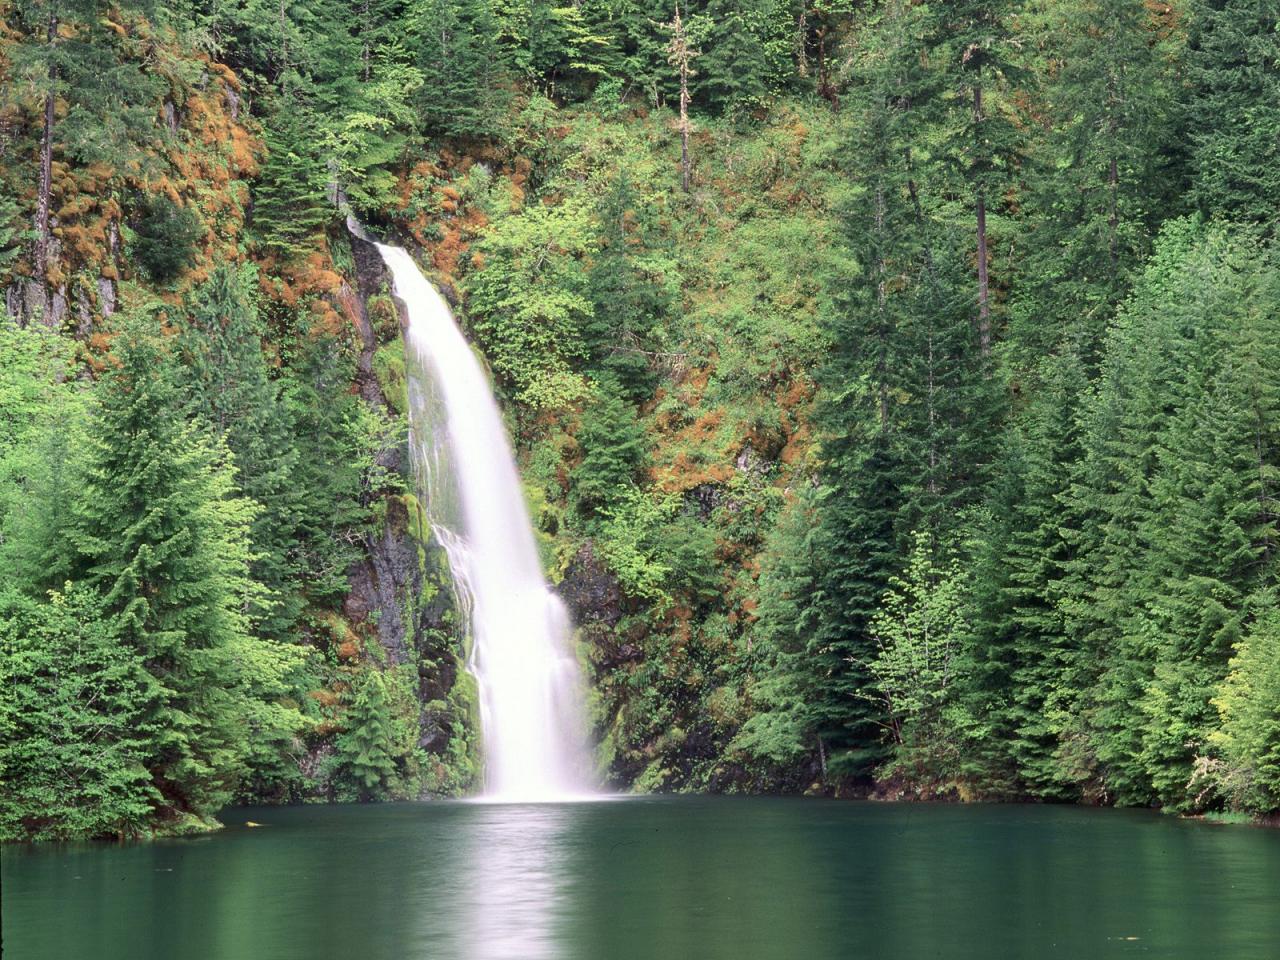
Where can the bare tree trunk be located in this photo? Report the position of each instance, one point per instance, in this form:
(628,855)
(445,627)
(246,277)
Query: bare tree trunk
(44,196)
(679,55)
(984,303)
(882,360)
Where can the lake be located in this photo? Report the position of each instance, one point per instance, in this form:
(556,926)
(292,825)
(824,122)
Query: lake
(698,878)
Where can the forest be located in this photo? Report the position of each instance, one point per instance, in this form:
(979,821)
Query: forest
(895,387)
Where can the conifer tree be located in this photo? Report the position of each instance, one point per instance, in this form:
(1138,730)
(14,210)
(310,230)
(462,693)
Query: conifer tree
(1234,113)
(632,287)
(973,42)
(363,753)
(733,74)
(78,721)
(163,538)
(1021,659)
(1102,174)
(225,383)
(1246,746)
(96,105)
(1175,490)
(613,449)
(456,43)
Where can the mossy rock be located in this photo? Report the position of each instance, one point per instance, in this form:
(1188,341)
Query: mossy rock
(389,369)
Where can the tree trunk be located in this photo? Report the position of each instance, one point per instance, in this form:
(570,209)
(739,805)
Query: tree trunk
(1113,220)
(882,360)
(678,55)
(984,304)
(44,196)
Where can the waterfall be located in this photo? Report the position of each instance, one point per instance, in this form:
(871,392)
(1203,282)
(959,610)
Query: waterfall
(532,716)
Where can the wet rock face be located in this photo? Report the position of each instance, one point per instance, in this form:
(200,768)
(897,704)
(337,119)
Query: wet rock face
(396,587)
(597,605)
(590,591)
(372,279)
(385,584)
(396,590)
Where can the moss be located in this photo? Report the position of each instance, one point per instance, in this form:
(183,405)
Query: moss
(186,825)
(389,368)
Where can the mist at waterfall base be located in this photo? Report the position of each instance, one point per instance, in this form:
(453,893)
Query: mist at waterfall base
(532,715)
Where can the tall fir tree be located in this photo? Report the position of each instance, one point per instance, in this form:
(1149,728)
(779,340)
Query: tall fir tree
(162,536)
(1234,113)
(226,384)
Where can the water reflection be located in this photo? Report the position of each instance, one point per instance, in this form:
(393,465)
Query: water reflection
(712,879)
(518,870)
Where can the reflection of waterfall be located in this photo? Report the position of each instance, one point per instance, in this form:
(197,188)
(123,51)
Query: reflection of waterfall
(531,696)
(518,880)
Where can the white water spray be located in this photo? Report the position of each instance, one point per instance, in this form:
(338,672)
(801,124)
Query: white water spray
(531,698)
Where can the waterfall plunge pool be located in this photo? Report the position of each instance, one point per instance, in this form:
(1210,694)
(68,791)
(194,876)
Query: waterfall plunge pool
(701,878)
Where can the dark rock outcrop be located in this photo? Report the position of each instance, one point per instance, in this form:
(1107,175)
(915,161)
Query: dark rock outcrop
(597,605)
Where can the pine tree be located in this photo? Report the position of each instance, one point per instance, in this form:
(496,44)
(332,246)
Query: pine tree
(226,384)
(1234,113)
(41,443)
(972,41)
(614,449)
(1175,492)
(632,287)
(363,754)
(1246,744)
(1104,172)
(96,104)
(161,536)
(289,208)
(327,480)
(76,723)
(907,408)
(456,45)
(734,69)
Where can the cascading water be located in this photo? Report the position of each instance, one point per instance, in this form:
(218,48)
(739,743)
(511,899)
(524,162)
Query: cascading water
(531,696)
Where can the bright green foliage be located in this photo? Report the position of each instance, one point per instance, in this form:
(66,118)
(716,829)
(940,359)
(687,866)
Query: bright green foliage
(1248,703)
(1175,486)
(162,536)
(920,632)
(529,303)
(77,722)
(41,444)
(227,386)
(288,197)
(761,416)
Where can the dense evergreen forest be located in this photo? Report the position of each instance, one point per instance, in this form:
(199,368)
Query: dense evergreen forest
(896,387)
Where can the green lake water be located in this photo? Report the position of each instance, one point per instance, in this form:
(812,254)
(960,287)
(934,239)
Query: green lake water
(671,878)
